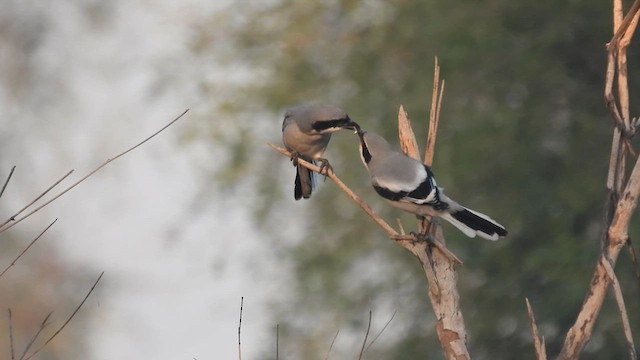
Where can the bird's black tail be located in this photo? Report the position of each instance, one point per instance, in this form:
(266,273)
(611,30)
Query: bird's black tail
(473,223)
(304,183)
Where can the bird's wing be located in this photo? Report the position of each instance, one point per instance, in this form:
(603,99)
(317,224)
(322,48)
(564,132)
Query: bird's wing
(404,179)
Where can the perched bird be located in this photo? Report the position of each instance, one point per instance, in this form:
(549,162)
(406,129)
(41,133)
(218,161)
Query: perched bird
(409,185)
(306,131)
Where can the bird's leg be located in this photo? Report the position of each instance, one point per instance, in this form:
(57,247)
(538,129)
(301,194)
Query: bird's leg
(325,167)
(429,250)
(294,157)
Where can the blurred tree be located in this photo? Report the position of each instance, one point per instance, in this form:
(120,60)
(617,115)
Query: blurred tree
(524,136)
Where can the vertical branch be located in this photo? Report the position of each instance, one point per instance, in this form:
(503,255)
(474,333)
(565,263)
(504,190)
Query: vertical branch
(240,327)
(13,356)
(439,268)
(623,198)
(538,341)
(434,115)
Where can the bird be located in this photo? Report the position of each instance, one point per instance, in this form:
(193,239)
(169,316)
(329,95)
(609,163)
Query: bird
(306,131)
(409,185)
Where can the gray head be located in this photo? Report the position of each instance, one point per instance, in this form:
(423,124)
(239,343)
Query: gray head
(318,119)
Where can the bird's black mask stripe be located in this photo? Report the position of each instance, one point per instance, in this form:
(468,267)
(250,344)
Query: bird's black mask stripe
(366,155)
(328,124)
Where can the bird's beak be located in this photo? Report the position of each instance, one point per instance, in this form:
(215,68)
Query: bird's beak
(354,126)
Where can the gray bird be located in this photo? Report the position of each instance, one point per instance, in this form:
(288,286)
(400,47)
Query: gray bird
(306,131)
(409,185)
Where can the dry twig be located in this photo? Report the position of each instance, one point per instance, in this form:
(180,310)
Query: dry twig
(331,346)
(6,226)
(366,335)
(538,341)
(381,331)
(67,321)
(240,327)
(13,217)
(27,248)
(13,168)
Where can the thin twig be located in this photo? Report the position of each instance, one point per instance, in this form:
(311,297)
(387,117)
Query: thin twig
(68,320)
(13,217)
(277,341)
(332,176)
(3,228)
(617,291)
(634,260)
(7,181)
(42,326)
(240,327)
(366,335)
(538,342)
(331,346)
(27,248)
(11,335)
(381,331)
(434,115)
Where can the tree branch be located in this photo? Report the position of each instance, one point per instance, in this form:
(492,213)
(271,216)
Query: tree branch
(622,203)
(538,341)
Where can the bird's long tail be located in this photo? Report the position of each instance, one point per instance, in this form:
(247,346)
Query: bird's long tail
(304,183)
(473,223)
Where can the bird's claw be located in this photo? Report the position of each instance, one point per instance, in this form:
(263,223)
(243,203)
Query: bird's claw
(325,167)
(294,157)
(420,237)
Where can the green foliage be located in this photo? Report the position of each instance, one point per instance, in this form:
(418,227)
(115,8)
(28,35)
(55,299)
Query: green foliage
(524,136)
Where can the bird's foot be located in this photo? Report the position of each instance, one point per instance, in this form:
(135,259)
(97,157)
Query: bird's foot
(325,167)
(294,157)
(420,237)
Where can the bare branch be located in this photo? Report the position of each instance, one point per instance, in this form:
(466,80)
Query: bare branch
(240,327)
(5,227)
(382,330)
(617,291)
(13,357)
(68,320)
(538,342)
(366,335)
(434,115)
(27,248)
(42,326)
(331,346)
(278,341)
(13,217)
(621,30)
(13,168)
(623,198)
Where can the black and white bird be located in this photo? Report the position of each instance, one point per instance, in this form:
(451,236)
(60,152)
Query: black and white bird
(409,185)
(306,131)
